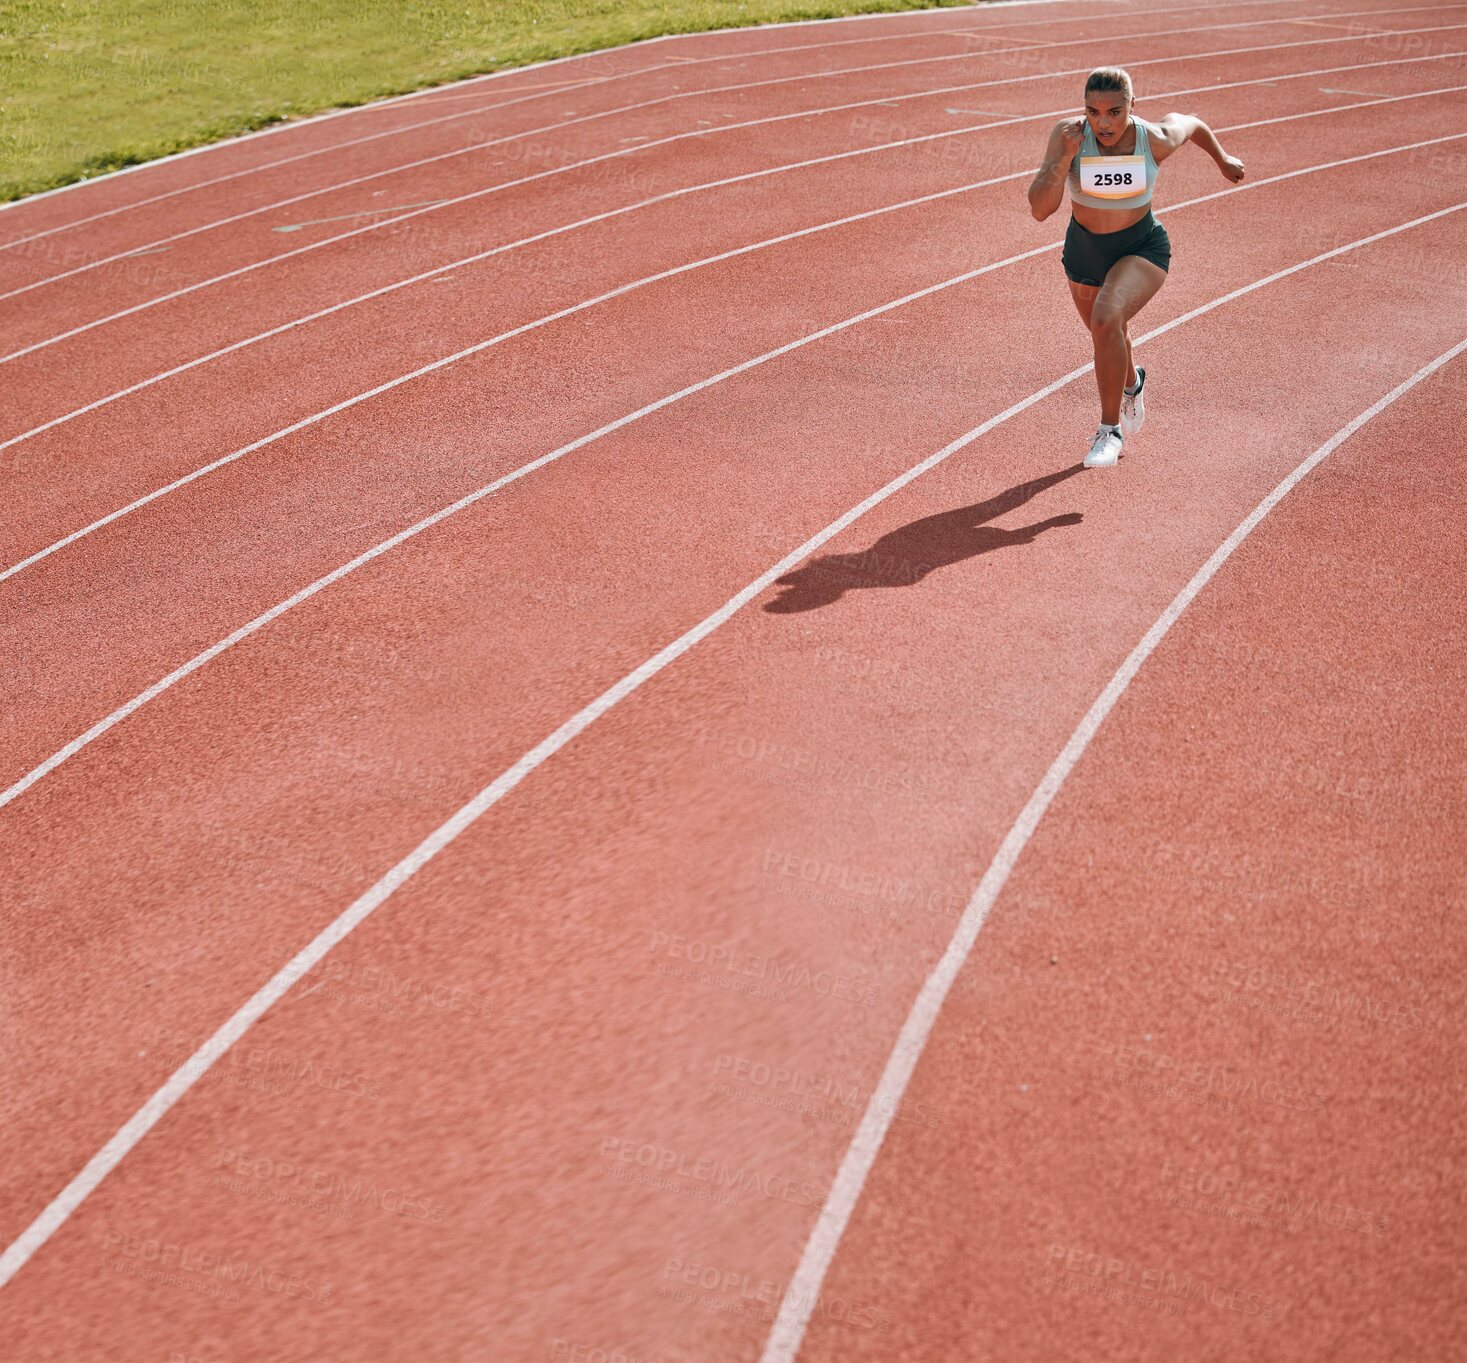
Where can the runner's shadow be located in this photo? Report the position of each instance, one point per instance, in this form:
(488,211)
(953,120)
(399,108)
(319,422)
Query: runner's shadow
(906,555)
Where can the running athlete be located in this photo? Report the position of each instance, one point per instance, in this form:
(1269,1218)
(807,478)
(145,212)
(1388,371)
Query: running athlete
(1116,254)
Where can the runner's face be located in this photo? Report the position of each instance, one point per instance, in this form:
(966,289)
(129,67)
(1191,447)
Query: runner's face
(1109,112)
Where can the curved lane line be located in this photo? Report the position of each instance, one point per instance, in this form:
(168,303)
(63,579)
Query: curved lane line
(713,184)
(271,165)
(783,1344)
(625,151)
(372,106)
(311,420)
(453,89)
(55,1214)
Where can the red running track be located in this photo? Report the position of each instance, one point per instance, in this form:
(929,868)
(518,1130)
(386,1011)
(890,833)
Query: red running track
(586,1082)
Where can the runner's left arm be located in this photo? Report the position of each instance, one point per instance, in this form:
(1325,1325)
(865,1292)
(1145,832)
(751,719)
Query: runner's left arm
(1180,128)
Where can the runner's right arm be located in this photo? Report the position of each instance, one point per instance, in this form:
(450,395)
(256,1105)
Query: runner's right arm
(1047,191)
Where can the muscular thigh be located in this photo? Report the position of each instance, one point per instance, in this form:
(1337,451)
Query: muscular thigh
(1084,296)
(1129,285)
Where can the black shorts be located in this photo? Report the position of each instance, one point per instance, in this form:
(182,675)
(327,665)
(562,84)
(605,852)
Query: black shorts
(1087,255)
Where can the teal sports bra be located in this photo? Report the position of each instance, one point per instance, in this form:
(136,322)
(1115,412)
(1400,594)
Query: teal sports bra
(1100,181)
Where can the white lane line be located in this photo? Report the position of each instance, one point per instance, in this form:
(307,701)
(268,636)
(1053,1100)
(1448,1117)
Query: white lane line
(570,83)
(670,63)
(267,165)
(288,125)
(695,133)
(1352,28)
(979,7)
(56,1213)
(102,726)
(147,498)
(439,91)
(669,195)
(438,94)
(360,213)
(561,170)
(556,87)
(783,1344)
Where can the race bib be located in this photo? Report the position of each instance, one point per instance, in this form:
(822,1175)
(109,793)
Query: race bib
(1113,177)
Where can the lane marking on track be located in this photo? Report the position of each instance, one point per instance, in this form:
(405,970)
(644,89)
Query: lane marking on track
(968,37)
(286,125)
(706,185)
(626,151)
(557,87)
(440,91)
(861,151)
(360,213)
(187,478)
(799,165)
(1350,28)
(571,83)
(788,1330)
(670,63)
(623,109)
(55,1214)
(268,165)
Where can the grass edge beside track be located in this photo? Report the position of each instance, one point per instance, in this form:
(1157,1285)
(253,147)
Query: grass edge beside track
(162,71)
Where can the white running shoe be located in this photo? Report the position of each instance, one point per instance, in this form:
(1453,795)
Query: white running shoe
(1133,409)
(1105,450)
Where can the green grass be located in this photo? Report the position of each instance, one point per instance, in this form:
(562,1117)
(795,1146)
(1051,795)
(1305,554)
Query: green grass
(88,86)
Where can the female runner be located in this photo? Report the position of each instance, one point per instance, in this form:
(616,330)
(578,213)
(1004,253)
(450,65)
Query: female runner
(1116,254)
